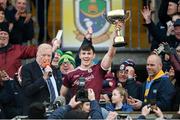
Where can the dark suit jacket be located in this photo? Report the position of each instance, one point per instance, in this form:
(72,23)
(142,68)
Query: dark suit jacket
(34,86)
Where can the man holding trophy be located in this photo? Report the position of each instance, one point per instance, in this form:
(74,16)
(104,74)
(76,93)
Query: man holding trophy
(94,73)
(118,18)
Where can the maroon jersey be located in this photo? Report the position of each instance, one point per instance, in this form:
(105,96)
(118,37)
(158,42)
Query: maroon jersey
(94,77)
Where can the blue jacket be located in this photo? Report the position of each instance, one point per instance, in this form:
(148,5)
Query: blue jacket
(126,107)
(95,112)
(161,92)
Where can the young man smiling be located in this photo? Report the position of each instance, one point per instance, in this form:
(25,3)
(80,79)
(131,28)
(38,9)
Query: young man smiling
(93,74)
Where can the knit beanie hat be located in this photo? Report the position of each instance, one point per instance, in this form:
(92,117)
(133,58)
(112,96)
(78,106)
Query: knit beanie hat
(67,57)
(126,63)
(59,52)
(4,27)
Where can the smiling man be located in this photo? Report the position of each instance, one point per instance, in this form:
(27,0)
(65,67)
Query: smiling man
(11,55)
(93,74)
(157,89)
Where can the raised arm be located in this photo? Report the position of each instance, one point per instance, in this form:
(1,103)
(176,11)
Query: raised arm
(152,28)
(107,60)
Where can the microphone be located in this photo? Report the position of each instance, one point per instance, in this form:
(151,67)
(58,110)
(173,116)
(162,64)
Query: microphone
(47,64)
(59,101)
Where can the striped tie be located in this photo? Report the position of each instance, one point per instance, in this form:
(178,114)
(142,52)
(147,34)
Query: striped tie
(51,91)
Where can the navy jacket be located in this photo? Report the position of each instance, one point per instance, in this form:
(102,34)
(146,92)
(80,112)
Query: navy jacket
(161,92)
(10,99)
(95,112)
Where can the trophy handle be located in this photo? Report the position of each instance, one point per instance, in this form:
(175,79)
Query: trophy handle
(128,16)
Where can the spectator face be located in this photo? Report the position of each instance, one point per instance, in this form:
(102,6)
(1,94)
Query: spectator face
(1,16)
(130,71)
(44,55)
(172,8)
(122,75)
(177,32)
(116,97)
(3,3)
(178,8)
(178,51)
(4,38)
(86,58)
(174,18)
(171,72)
(21,6)
(56,59)
(153,65)
(86,107)
(66,67)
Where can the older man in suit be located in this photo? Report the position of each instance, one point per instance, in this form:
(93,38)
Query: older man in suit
(39,79)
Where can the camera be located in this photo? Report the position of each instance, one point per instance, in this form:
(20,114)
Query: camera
(160,49)
(153,107)
(82,93)
(152,104)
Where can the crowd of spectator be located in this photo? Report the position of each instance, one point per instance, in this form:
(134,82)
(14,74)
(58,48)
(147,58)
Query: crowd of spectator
(60,85)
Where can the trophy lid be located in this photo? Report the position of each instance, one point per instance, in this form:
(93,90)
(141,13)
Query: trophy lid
(119,12)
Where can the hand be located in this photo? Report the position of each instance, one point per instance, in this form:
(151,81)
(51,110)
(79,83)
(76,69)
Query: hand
(17,15)
(119,24)
(135,103)
(28,17)
(130,100)
(110,83)
(4,76)
(167,48)
(56,44)
(105,97)
(145,110)
(112,115)
(91,94)
(155,52)
(166,57)
(158,112)
(131,71)
(47,72)
(146,12)
(170,28)
(73,103)
(11,25)
(89,33)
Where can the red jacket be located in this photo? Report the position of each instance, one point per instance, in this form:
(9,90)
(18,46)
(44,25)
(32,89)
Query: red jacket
(11,56)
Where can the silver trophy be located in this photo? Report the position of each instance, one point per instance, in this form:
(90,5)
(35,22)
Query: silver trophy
(115,17)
